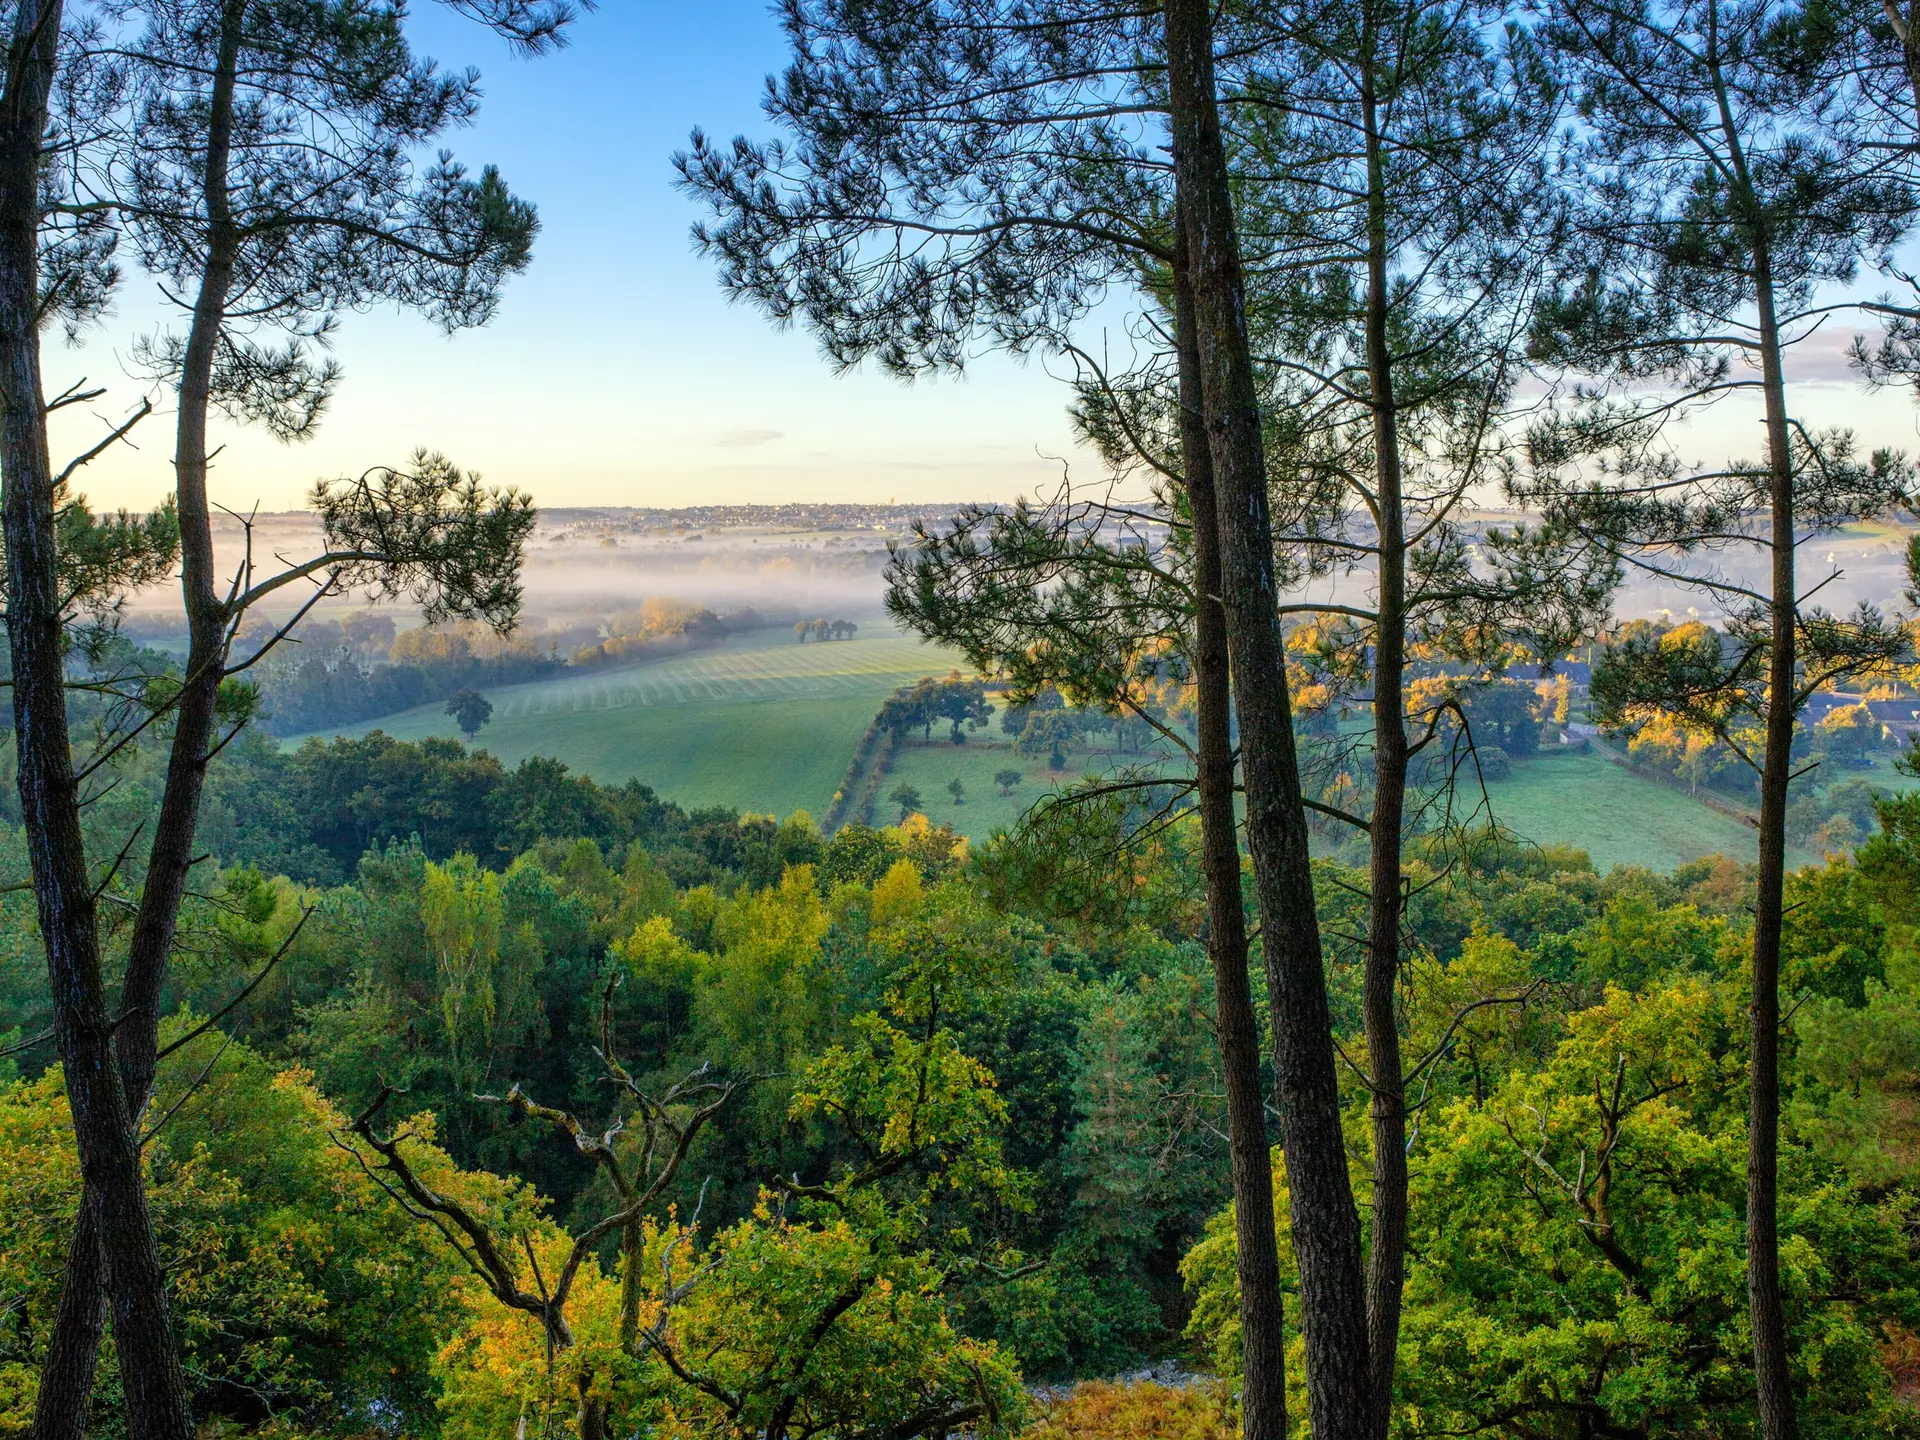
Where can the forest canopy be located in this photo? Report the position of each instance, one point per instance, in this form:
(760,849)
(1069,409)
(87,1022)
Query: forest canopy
(378,1087)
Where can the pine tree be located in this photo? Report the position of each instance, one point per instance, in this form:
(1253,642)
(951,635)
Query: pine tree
(1326,1224)
(1729,170)
(1006,155)
(1405,220)
(258,161)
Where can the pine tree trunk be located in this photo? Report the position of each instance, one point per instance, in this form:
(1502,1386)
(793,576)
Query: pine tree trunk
(1326,1228)
(1263,1402)
(103,1123)
(1387,1255)
(1771,1368)
(70,1361)
(73,1345)
(171,856)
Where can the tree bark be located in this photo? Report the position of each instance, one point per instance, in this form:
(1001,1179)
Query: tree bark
(104,1126)
(1771,1369)
(73,1345)
(70,1360)
(171,856)
(1263,1402)
(1326,1228)
(1387,1255)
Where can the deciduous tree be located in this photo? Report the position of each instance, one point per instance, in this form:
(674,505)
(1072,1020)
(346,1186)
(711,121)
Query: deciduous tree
(470,710)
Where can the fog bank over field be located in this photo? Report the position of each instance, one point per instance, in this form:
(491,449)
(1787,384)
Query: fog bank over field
(1860,564)
(782,560)
(817,559)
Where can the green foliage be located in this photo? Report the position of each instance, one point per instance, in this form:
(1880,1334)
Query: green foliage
(1576,1244)
(451,545)
(1049,734)
(985,1113)
(470,709)
(1586,1257)
(296,1287)
(105,558)
(958,701)
(1858,1103)
(890,1352)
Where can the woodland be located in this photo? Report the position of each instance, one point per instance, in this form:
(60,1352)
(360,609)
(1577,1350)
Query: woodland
(377,1088)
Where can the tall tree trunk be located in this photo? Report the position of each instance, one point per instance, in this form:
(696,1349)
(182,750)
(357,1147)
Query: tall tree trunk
(171,856)
(69,1364)
(1387,1256)
(1771,1371)
(590,1414)
(1263,1402)
(1326,1228)
(104,1125)
(73,1345)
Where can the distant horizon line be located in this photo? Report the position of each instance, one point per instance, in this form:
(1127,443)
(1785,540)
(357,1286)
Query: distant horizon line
(764,507)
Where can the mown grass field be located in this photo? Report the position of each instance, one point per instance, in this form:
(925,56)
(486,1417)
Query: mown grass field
(765,724)
(1618,818)
(761,723)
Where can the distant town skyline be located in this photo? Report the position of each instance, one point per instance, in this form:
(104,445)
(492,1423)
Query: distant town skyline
(616,372)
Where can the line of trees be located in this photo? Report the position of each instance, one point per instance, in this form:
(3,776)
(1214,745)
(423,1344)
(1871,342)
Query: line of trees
(1388,257)
(960,702)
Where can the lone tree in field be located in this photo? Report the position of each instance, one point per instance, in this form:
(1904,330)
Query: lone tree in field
(1006,780)
(906,798)
(470,709)
(956,789)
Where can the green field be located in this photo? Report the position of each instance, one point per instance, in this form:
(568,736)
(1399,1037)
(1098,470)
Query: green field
(928,768)
(1618,818)
(1578,799)
(764,724)
(1879,772)
(761,723)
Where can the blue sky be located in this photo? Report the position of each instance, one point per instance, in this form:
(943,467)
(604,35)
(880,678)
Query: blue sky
(616,372)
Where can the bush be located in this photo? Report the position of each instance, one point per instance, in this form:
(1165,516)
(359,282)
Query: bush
(1105,1410)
